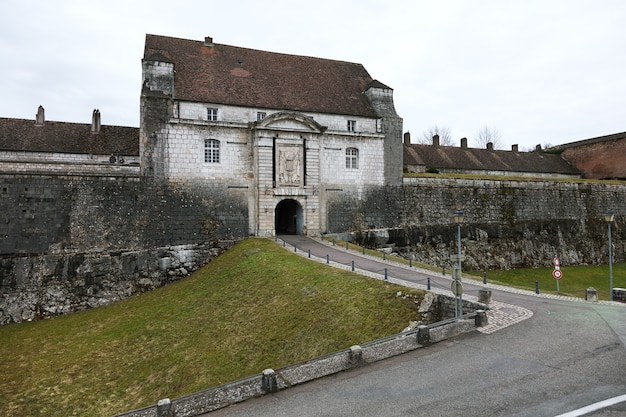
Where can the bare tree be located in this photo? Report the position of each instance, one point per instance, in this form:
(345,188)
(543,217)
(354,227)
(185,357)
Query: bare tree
(488,134)
(445,136)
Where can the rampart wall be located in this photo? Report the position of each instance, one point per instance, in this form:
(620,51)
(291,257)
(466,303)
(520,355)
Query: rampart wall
(69,242)
(507,223)
(72,242)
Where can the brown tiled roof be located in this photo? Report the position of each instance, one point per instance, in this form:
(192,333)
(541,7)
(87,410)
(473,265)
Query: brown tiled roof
(237,76)
(25,135)
(452,158)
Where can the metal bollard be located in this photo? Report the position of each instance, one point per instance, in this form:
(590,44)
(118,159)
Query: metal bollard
(363,250)
(352,266)
(485,277)
(537,287)
(295,248)
(284,243)
(443,270)
(428,284)
(309,253)
(385,274)
(410,263)
(384,256)
(327,259)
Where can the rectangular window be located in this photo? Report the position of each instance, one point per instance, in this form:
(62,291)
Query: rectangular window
(260,116)
(211,114)
(352,158)
(212,151)
(351,125)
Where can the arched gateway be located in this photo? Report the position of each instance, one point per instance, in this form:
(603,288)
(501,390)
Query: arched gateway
(288,218)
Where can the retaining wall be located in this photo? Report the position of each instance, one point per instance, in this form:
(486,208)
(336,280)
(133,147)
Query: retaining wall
(72,242)
(507,223)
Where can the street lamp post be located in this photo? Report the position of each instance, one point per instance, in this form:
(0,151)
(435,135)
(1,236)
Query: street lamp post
(458,219)
(609,217)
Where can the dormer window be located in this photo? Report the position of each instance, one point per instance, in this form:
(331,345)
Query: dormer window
(351,125)
(211,114)
(260,116)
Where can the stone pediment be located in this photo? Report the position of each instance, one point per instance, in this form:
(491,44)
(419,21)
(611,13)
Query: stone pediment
(289,121)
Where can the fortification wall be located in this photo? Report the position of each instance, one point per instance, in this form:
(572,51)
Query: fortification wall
(507,223)
(70,242)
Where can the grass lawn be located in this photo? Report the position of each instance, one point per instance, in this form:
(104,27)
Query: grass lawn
(575,280)
(256,306)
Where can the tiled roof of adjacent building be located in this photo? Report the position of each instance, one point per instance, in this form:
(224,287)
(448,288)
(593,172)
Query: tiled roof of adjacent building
(26,135)
(213,73)
(472,159)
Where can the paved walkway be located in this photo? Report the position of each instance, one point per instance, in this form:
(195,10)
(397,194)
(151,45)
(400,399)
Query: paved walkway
(500,315)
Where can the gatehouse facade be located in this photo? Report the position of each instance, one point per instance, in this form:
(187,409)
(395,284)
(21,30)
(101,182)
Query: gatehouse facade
(285,133)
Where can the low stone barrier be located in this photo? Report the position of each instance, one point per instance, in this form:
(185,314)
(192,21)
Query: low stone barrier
(619,294)
(270,380)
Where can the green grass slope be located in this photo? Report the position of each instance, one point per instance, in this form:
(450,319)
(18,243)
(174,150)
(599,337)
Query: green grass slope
(256,306)
(575,280)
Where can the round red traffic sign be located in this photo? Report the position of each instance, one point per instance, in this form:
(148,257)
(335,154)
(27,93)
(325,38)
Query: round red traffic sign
(557,274)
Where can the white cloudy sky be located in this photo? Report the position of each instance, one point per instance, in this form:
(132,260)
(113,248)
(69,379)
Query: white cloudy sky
(539,71)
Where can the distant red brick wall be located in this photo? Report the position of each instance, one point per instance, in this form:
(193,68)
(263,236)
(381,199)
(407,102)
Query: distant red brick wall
(600,160)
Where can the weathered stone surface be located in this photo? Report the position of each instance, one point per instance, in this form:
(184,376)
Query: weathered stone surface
(507,223)
(50,285)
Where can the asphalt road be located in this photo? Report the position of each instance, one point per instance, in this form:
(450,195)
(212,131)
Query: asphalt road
(569,355)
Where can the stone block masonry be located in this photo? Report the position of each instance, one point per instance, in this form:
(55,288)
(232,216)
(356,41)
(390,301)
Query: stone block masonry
(47,214)
(507,223)
(106,219)
(69,243)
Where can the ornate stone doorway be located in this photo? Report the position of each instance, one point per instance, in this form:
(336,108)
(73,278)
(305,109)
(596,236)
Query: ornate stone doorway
(288,218)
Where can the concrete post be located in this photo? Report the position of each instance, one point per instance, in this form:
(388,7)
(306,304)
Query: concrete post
(481,319)
(592,295)
(484,296)
(268,381)
(356,356)
(423,335)
(164,408)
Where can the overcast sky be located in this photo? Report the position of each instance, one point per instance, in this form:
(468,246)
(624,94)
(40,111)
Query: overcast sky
(538,71)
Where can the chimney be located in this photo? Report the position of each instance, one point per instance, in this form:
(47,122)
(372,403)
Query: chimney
(95,122)
(463,143)
(407,139)
(436,140)
(208,41)
(40,118)
(490,146)
(538,148)
(515,148)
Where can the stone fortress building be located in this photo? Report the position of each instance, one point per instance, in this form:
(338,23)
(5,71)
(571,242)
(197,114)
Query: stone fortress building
(287,132)
(235,142)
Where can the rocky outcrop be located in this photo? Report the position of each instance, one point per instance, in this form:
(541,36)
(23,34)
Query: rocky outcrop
(42,286)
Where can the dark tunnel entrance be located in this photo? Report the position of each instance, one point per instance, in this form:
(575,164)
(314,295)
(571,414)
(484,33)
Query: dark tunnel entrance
(288,218)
